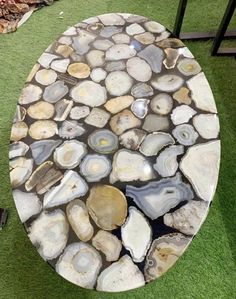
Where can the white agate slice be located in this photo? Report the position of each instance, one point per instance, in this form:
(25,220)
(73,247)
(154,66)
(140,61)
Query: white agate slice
(120,51)
(27,204)
(60,65)
(140,107)
(82,40)
(154,27)
(166,163)
(98,74)
(20,170)
(97,117)
(134,29)
(17,149)
(207,125)
(136,228)
(111,19)
(30,93)
(161,104)
(46,77)
(108,244)
(188,218)
(182,114)
(167,83)
(102,44)
(78,217)
(139,69)
(89,93)
(49,232)
(95,167)
(69,154)
(70,187)
(80,264)
(158,197)
(201,93)
(201,166)
(120,276)
(95,58)
(118,83)
(79,112)
(132,139)
(46,58)
(130,166)
(154,142)
(121,38)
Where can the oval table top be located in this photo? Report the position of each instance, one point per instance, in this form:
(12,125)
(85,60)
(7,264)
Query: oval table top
(114,152)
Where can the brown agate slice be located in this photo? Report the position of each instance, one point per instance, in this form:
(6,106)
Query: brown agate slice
(107,206)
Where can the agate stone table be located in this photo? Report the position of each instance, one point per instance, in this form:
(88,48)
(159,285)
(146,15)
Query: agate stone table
(114,152)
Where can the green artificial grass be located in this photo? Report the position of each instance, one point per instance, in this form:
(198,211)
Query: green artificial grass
(207,269)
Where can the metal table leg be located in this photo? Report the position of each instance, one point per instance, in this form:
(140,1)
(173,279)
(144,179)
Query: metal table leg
(216,49)
(209,34)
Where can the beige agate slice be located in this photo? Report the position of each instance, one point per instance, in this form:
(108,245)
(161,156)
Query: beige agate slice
(188,218)
(108,244)
(19,130)
(130,166)
(107,206)
(136,228)
(132,139)
(80,263)
(117,104)
(201,166)
(163,254)
(42,129)
(41,110)
(182,96)
(123,121)
(201,93)
(50,233)
(20,170)
(78,217)
(79,70)
(120,276)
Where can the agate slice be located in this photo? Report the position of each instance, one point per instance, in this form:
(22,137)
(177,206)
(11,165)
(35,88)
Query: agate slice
(120,276)
(108,244)
(95,167)
(103,141)
(157,198)
(49,232)
(114,152)
(80,263)
(107,206)
(78,217)
(164,253)
(188,218)
(136,228)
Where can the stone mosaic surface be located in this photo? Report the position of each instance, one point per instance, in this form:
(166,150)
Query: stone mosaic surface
(114,152)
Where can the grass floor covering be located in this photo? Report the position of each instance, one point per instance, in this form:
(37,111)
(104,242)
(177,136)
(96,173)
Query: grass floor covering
(207,269)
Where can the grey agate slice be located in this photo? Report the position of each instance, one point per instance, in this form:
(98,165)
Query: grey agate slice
(42,149)
(158,197)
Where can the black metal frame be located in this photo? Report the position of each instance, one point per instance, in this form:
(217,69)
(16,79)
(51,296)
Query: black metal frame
(218,35)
